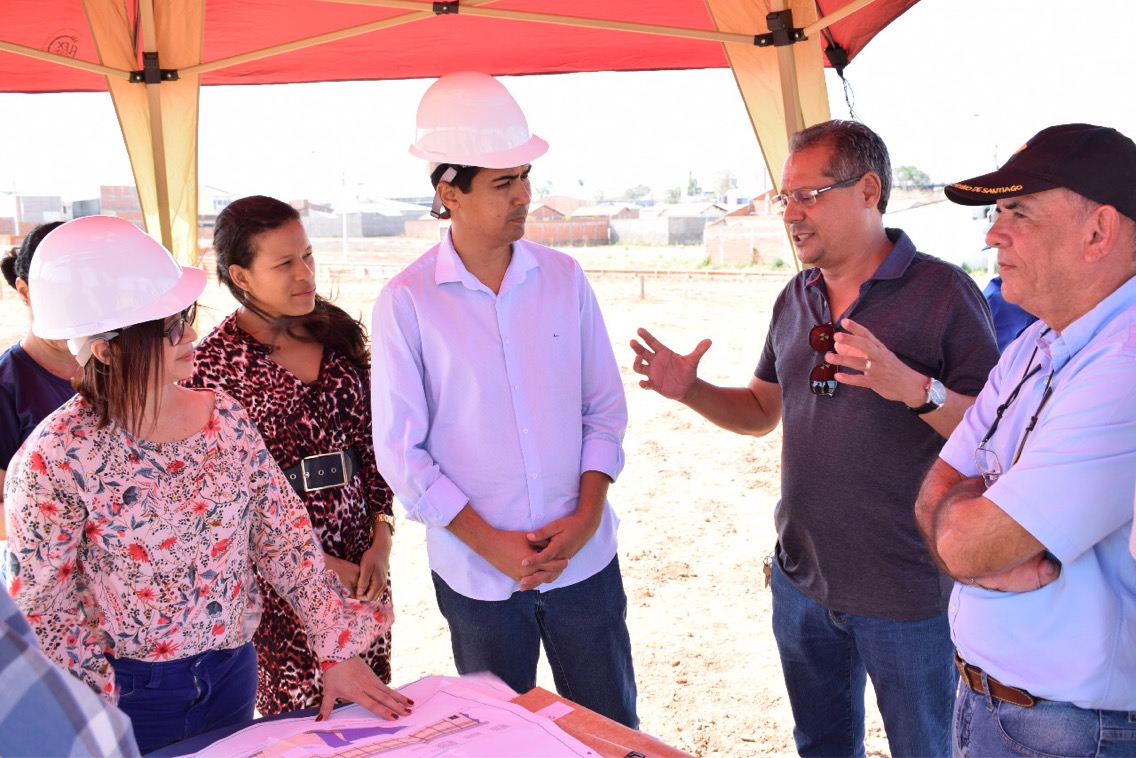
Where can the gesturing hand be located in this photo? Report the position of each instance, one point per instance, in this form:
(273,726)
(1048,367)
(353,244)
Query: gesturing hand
(667,372)
(880,369)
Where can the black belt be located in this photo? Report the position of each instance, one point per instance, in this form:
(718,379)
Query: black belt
(319,472)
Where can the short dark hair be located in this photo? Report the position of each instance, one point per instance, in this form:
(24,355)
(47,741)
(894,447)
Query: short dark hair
(856,150)
(18,260)
(463,180)
(235,232)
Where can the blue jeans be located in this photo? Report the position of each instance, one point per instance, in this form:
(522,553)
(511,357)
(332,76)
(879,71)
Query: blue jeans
(174,700)
(826,657)
(583,628)
(987,727)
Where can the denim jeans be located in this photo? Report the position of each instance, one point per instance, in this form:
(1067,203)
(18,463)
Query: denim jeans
(173,700)
(826,657)
(583,628)
(986,727)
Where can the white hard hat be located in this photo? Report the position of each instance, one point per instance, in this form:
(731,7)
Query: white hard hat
(469,119)
(99,273)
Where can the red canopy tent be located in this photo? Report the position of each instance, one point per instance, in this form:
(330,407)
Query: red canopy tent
(153,55)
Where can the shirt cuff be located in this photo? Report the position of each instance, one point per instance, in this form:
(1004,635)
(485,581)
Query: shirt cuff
(602,455)
(960,457)
(439,504)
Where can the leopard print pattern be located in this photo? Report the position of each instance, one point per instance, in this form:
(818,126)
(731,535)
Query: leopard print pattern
(298,420)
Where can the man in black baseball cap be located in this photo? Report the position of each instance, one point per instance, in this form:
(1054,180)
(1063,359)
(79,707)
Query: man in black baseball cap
(1030,504)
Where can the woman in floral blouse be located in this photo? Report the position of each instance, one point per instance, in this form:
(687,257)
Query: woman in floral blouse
(301,367)
(137,511)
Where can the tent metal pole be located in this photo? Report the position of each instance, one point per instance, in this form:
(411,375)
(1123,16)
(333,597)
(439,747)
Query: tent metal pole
(63,60)
(832,18)
(787,67)
(157,138)
(549,18)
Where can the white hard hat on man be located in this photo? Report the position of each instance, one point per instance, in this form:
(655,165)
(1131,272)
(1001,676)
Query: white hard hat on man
(97,274)
(469,119)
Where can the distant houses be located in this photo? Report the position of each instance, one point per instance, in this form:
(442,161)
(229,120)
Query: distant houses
(733,236)
(753,233)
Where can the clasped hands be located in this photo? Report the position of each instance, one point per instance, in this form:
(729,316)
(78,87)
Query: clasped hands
(540,556)
(365,580)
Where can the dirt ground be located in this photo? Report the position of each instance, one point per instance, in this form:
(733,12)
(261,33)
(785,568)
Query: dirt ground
(696,505)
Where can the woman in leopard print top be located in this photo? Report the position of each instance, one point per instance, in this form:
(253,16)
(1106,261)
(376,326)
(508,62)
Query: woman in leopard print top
(300,366)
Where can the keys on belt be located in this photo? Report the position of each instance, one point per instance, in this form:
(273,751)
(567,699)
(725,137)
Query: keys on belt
(321,472)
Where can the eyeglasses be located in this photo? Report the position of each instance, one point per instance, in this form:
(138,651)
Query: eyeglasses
(175,331)
(986,459)
(822,380)
(807,197)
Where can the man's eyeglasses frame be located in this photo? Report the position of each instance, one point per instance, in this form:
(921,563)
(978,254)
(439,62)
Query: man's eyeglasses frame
(808,197)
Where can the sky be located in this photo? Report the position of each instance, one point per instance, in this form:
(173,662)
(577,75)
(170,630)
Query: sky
(953,87)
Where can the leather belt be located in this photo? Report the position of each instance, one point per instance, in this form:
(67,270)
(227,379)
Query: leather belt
(320,472)
(972,677)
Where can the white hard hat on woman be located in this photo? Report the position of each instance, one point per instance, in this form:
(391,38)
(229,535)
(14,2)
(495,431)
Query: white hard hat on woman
(97,274)
(469,119)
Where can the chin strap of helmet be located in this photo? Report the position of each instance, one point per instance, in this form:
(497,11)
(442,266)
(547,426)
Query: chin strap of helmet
(81,346)
(437,210)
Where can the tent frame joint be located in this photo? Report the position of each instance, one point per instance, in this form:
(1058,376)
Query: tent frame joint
(446,8)
(781,30)
(151,72)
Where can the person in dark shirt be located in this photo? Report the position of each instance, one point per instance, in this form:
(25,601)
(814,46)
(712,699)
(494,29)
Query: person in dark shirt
(35,374)
(873,354)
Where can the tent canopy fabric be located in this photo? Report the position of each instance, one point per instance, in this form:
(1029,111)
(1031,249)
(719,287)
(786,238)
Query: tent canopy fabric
(153,55)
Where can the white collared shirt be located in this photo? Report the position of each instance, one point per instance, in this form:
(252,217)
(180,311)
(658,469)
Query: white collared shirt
(500,401)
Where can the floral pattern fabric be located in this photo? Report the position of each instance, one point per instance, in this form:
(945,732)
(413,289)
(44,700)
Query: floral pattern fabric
(124,547)
(298,420)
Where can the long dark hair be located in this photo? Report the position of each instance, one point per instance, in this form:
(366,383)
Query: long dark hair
(119,389)
(234,239)
(18,261)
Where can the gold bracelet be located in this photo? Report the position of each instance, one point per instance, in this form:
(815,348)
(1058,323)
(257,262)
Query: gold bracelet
(387,519)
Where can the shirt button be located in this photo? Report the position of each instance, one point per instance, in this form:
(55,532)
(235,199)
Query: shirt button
(534,476)
(953,607)
(524,431)
(516,386)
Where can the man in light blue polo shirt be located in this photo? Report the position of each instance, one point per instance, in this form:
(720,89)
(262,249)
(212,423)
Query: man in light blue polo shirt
(1029,507)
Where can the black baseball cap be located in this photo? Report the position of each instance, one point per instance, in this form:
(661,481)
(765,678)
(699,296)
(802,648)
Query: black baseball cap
(1094,161)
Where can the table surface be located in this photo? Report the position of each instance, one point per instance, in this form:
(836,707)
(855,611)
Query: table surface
(608,738)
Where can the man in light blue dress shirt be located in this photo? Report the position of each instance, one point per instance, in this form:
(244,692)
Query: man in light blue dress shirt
(1029,507)
(499,416)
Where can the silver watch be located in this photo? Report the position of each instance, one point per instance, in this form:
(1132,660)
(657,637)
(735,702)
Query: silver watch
(936,396)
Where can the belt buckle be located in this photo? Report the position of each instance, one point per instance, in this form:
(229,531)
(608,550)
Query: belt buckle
(334,464)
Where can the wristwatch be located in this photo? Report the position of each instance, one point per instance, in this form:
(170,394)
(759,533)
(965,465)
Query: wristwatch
(386,519)
(936,396)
